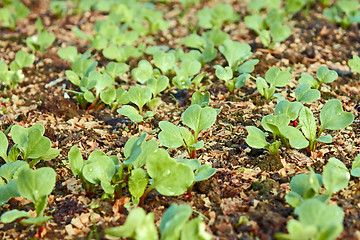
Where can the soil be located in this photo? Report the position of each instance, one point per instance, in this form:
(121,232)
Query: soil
(248,183)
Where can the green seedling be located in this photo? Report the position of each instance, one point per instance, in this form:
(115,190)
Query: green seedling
(258,5)
(354,63)
(164,61)
(344,13)
(139,96)
(41,41)
(185,75)
(10,77)
(206,45)
(270,30)
(168,177)
(323,75)
(279,126)
(257,139)
(143,72)
(201,172)
(355,168)
(305,94)
(235,53)
(29,143)
(317,220)
(69,53)
(122,53)
(332,117)
(274,78)
(115,69)
(215,17)
(291,109)
(196,118)
(98,169)
(226,74)
(201,99)
(59,8)
(306,186)
(138,225)
(8,175)
(11,12)
(174,224)
(34,185)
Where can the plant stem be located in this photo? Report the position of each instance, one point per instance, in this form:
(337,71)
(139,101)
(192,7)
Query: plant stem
(146,192)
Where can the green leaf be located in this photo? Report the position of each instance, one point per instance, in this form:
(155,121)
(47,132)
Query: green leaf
(75,160)
(170,178)
(305,94)
(108,95)
(157,85)
(89,96)
(14,214)
(173,221)
(223,73)
(335,176)
(291,109)
(276,122)
(296,138)
(9,170)
(8,191)
(254,22)
(138,225)
(164,61)
(279,32)
(324,139)
(73,77)
(328,219)
(4,144)
(115,69)
(140,96)
(37,145)
(195,230)
(138,181)
(262,86)
(200,99)
(277,78)
(198,118)
(204,172)
(194,41)
(143,72)
(332,116)
(24,59)
(307,78)
(170,135)
(354,63)
(69,53)
(256,138)
(355,167)
(133,148)
(308,123)
(235,52)
(325,75)
(38,221)
(191,67)
(131,113)
(100,170)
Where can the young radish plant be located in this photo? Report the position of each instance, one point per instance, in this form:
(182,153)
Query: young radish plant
(332,117)
(13,75)
(175,224)
(196,118)
(30,144)
(316,217)
(34,185)
(323,75)
(98,169)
